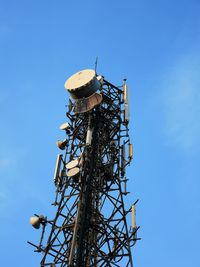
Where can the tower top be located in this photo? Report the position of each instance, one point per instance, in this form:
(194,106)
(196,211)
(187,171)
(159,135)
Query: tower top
(82,84)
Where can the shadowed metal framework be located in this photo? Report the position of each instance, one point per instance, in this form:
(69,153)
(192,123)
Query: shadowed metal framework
(90,226)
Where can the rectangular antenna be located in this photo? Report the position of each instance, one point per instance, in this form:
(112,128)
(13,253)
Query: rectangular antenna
(57,168)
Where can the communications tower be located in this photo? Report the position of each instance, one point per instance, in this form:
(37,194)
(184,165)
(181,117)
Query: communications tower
(90,227)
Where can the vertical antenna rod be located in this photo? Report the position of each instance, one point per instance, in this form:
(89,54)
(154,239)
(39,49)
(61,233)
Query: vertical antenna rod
(95,65)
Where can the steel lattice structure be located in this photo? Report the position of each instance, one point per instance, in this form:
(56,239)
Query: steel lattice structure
(90,226)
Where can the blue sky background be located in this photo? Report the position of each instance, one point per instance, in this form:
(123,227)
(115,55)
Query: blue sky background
(155,45)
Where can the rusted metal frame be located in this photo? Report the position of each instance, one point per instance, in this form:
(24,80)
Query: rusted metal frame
(103,243)
(113,228)
(125,223)
(43,231)
(66,228)
(111,187)
(78,123)
(109,227)
(102,204)
(87,246)
(106,151)
(67,231)
(110,263)
(123,218)
(58,240)
(95,230)
(64,216)
(121,246)
(115,130)
(76,192)
(110,114)
(71,193)
(77,141)
(87,192)
(113,200)
(109,91)
(110,109)
(116,256)
(107,98)
(59,256)
(116,220)
(58,252)
(43,250)
(60,228)
(70,216)
(56,259)
(55,251)
(107,186)
(111,128)
(63,264)
(116,224)
(123,254)
(72,207)
(117,227)
(76,148)
(47,264)
(106,238)
(91,252)
(58,186)
(103,257)
(54,223)
(128,263)
(80,249)
(105,260)
(74,236)
(65,207)
(113,86)
(70,116)
(110,105)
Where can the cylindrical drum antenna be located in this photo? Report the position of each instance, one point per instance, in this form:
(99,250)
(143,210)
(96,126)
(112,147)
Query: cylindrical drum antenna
(82,84)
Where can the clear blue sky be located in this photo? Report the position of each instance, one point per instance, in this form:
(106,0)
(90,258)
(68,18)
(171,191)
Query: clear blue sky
(156,46)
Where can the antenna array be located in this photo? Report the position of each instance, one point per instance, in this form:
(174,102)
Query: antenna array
(90,226)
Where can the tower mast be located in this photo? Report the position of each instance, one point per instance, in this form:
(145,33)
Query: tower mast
(90,226)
